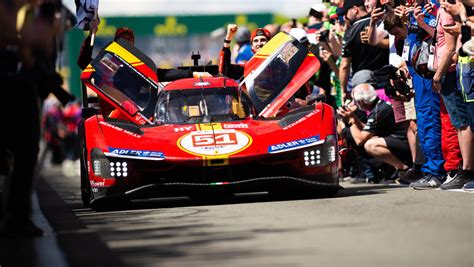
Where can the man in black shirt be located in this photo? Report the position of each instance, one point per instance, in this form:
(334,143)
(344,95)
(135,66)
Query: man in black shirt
(357,54)
(381,137)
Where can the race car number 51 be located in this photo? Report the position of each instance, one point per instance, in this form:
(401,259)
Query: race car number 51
(214,143)
(217,140)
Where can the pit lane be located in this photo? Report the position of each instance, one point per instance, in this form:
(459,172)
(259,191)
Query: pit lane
(365,225)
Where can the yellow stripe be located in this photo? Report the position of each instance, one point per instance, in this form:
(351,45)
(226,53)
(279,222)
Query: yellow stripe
(89,69)
(209,126)
(122,52)
(274,43)
(465,60)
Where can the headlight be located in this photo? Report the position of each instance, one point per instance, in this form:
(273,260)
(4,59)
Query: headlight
(119,168)
(312,157)
(108,167)
(321,155)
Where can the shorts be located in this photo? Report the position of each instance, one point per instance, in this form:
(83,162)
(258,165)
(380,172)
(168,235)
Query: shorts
(403,111)
(399,148)
(454,101)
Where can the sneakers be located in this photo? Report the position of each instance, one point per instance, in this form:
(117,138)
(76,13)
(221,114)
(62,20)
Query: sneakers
(451,175)
(469,186)
(457,181)
(409,176)
(428,181)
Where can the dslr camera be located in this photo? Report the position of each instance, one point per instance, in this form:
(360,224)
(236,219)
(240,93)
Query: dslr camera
(323,36)
(397,82)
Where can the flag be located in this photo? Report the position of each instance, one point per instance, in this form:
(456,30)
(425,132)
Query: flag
(86,10)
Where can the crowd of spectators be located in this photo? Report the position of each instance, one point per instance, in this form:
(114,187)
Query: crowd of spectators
(398,74)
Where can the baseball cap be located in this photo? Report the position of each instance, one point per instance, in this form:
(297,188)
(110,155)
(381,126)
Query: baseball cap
(351,3)
(260,32)
(364,76)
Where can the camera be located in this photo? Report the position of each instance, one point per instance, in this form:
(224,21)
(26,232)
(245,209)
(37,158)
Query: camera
(323,36)
(397,82)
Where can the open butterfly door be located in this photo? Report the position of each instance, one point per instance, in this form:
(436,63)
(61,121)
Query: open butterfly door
(276,73)
(126,78)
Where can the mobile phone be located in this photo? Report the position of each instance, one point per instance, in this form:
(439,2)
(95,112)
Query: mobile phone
(452,1)
(380,5)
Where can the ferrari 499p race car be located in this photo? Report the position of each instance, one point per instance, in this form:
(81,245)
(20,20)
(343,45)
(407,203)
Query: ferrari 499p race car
(200,136)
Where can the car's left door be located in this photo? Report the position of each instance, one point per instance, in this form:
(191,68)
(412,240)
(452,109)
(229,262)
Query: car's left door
(125,78)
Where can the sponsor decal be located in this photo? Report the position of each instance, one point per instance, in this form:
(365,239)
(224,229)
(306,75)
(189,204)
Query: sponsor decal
(183,129)
(136,153)
(301,120)
(236,126)
(97,184)
(120,129)
(214,143)
(294,144)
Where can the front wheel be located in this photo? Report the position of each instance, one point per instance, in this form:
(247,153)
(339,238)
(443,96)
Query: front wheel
(86,191)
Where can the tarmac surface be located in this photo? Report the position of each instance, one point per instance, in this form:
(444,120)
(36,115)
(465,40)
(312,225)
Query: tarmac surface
(364,225)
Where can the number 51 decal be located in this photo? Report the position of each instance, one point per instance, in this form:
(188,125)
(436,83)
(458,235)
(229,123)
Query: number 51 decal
(219,139)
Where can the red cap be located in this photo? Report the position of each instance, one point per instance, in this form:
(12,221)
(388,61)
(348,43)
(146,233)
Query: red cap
(124,30)
(260,32)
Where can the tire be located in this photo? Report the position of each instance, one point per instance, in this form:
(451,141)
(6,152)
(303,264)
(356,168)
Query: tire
(86,191)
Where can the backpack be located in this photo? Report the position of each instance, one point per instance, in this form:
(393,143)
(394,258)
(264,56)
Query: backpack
(423,58)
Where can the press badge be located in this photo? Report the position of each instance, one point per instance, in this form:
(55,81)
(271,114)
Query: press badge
(406,51)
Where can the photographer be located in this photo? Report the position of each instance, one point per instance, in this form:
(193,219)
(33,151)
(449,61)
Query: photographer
(381,137)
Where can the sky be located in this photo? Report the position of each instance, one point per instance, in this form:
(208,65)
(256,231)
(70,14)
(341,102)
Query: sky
(290,8)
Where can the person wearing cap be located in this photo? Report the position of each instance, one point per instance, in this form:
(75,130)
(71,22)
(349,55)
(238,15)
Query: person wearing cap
(258,39)
(380,137)
(360,55)
(427,103)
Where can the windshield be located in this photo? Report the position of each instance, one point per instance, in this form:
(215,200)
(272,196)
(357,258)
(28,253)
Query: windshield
(201,106)
(276,75)
(122,83)
(277,71)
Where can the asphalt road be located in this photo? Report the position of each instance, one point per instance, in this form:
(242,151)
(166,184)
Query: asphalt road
(365,225)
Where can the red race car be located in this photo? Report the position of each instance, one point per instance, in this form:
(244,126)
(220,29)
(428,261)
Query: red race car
(207,136)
